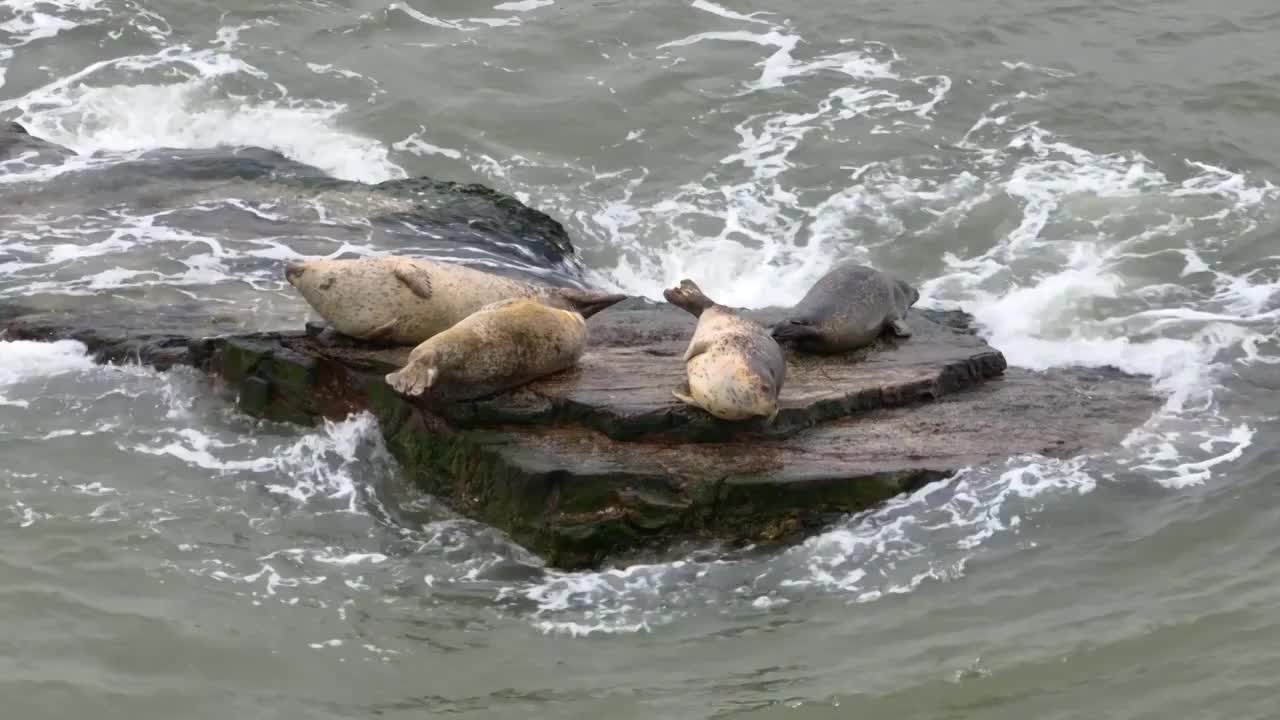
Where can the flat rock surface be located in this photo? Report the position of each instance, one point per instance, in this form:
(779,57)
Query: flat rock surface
(842,413)
(1056,414)
(600,461)
(622,386)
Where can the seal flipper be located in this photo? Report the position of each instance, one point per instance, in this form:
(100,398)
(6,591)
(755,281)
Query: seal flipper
(899,328)
(682,393)
(696,348)
(499,304)
(415,278)
(793,330)
(411,381)
(380,333)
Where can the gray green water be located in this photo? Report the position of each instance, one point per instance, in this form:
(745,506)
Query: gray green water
(1096,182)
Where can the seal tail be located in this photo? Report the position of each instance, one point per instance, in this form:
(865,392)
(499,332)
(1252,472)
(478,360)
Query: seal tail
(688,297)
(794,330)
(684,394)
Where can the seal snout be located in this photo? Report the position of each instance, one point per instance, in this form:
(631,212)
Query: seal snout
(688,297)
(293,271)
(793,331)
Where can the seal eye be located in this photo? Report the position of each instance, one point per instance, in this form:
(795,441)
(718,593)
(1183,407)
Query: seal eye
(328,282)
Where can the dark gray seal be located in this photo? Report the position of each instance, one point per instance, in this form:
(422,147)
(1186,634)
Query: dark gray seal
(848,308)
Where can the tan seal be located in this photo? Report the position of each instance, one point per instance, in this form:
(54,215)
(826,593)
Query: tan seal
(734,369)
(501,346)
(848,308)
(398,300)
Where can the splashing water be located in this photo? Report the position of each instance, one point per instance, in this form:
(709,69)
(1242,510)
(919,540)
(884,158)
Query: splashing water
(812,153)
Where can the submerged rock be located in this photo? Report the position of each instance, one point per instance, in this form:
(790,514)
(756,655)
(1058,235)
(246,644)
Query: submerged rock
(16,144)
(601,461)
(247,193)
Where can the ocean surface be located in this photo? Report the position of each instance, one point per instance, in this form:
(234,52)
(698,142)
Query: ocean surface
(1095,181)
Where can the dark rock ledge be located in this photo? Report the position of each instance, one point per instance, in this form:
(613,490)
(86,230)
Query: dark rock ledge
(600,461)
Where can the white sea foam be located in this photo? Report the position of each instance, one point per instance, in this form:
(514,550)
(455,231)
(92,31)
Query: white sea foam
(768,240)
(924,537)
(722,11)
(24,360)
(423,17)
(126,118)
(476,23)
(523,5)
(128,234)
(322,464)
(1057,289)
(28,21)
(93,110)
(418,145)
(316,466)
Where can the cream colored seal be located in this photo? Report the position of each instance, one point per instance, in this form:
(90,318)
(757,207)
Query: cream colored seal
(398,300)
(734,369)
(502,346)
(848,308)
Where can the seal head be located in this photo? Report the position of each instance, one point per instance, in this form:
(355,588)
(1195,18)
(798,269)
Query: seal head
(847,309)
(734,370)
(502,346)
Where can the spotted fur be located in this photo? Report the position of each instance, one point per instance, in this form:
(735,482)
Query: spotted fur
(499,347)
(733,368)
(398,300)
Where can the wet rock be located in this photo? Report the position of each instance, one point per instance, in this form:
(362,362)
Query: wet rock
(18,144)
(601,462)
(253,192)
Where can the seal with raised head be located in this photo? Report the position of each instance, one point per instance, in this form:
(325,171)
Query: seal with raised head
(734,369)
(398,300)
(848,308)
(502,346)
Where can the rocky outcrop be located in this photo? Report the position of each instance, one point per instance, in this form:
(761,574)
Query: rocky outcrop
(256,192)
(17,144)
(601,462)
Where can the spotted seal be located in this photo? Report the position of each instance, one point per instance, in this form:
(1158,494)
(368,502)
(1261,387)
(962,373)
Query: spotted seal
(502,345)
(734,369)
(398,300)
(848,308)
